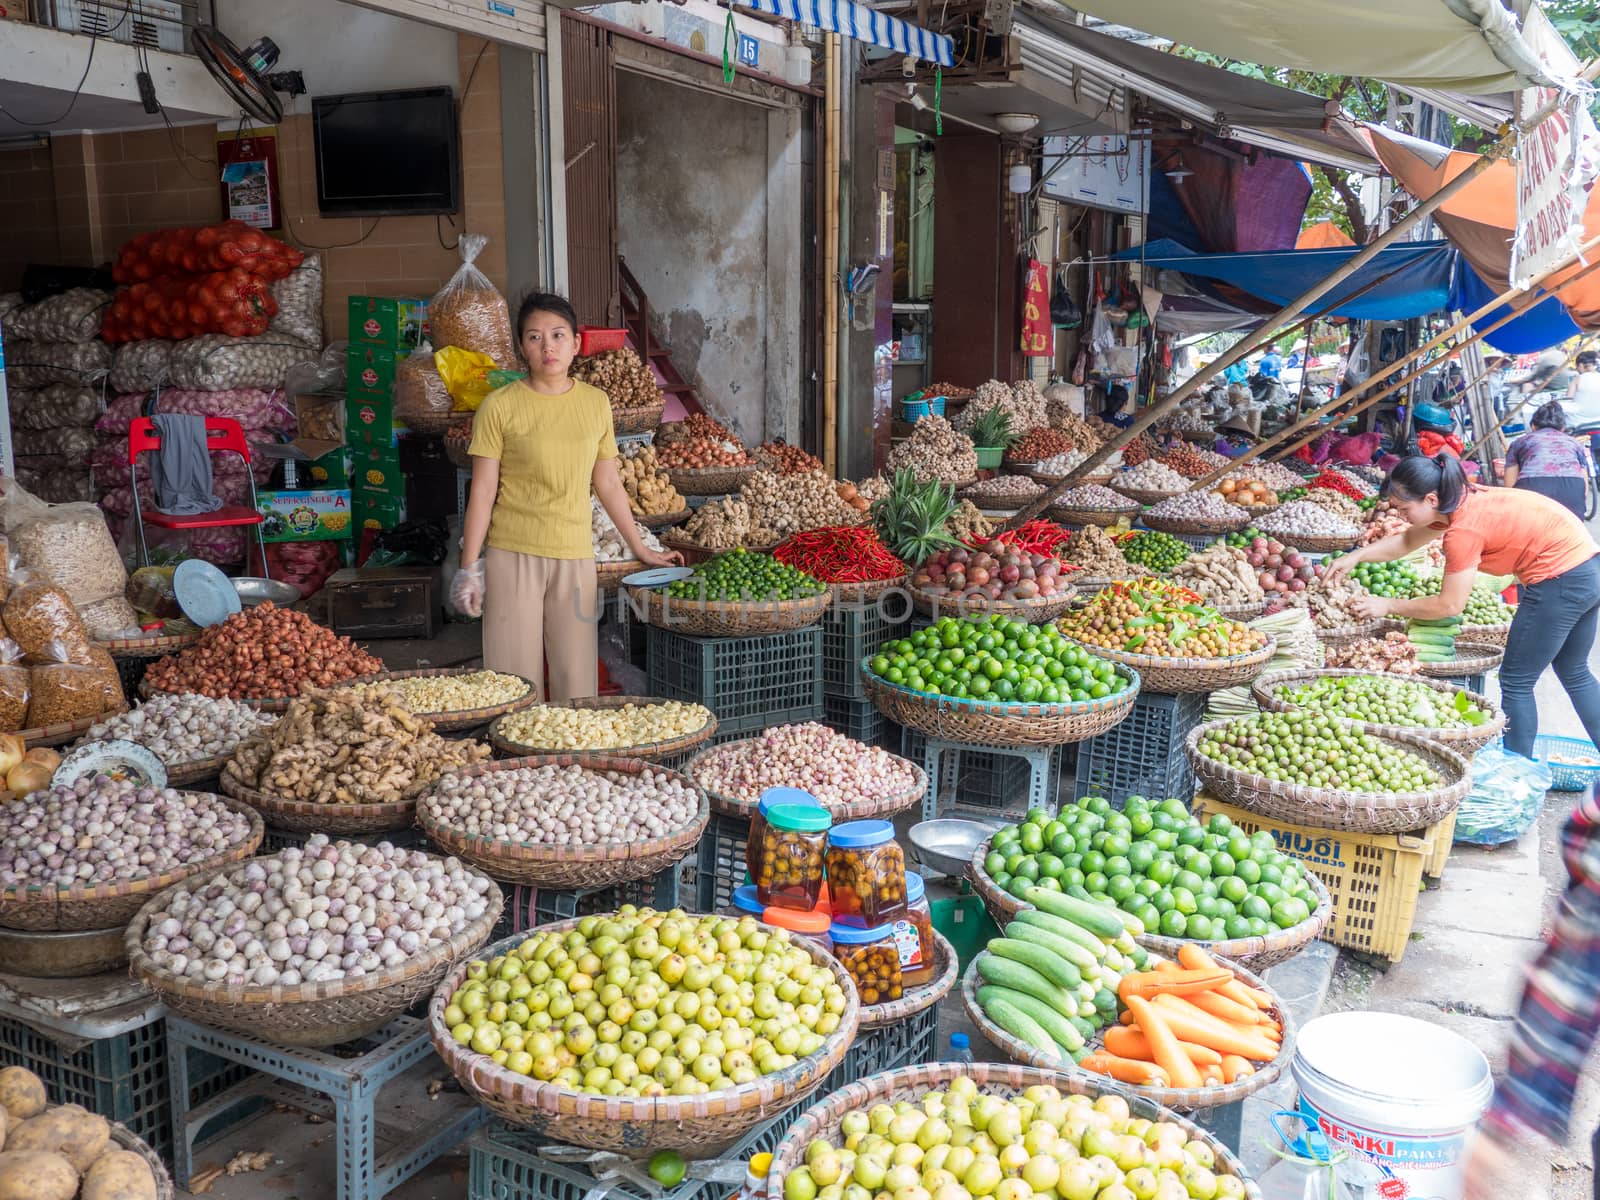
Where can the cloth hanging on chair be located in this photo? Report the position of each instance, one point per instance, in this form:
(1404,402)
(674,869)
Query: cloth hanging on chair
(181,473)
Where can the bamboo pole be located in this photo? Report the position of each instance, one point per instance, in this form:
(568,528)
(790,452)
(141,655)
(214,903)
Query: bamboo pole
(831,152)
(1510,296)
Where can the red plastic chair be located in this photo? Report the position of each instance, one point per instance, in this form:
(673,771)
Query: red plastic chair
(224,435)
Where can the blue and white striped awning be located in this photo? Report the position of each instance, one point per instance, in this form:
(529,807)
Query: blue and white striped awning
(864,24)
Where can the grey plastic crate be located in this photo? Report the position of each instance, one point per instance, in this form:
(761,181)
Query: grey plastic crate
(860,719)
(850,633)
(750,683)
(1143,754)
(528,907)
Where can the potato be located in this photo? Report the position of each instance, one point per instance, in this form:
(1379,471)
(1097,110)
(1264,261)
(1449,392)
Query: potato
(70,1131)
(21,1093)
(5,1120)
(36,1175)
(119,1175)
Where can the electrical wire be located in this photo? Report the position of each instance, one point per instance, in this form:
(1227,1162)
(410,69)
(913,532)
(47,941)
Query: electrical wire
(438,232)
(72,103)
(340,245)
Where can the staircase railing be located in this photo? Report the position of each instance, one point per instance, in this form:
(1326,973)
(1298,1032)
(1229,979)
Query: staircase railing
(635,308)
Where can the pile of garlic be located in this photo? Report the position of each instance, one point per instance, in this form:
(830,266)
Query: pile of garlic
(608,544)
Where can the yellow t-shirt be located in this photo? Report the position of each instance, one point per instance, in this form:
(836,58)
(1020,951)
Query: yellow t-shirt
(547,447)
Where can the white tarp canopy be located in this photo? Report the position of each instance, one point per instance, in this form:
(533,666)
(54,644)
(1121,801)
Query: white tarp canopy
(1470,46)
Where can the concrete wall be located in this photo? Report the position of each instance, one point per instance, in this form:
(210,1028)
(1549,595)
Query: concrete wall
(708,195)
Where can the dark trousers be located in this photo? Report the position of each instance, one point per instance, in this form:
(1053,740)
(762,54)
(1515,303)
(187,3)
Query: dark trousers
(1566,490)
(1554,626)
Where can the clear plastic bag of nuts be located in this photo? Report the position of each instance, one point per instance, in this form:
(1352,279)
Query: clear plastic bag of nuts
(469,311)
(41,618)
(63,691)
(15,687)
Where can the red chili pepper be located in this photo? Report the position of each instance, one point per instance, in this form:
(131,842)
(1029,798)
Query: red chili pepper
(1338,483)
(1037,536)
(840,554)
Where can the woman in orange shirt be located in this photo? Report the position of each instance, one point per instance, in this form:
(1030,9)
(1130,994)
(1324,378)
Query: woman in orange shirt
(1501,531)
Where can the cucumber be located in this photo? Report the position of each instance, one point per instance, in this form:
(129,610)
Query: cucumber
(1020,978)
(1105,1003)
(1070,951)
(1057,970)
(1084,1028)
(1022,1027)
(1093,948)
(1099,919)
(1061,1030)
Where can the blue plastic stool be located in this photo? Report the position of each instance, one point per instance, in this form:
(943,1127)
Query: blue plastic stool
(944,776)
(352,1084)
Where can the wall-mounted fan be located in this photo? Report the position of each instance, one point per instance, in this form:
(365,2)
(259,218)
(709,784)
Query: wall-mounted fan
(247,75)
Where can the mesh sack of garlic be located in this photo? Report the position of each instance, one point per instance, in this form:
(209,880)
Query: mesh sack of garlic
(608,543)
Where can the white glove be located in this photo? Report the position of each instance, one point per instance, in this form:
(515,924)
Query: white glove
(467,590)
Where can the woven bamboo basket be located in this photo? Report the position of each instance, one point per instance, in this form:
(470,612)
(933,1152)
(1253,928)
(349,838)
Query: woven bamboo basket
(918,999)
(1048,478)
(664,520)
(149,647)
(637,420)
(997,503)
(692,552)
(462,718)
(1102,517)
(645,751)
(1332,808)
(1465,742)
(66,731)
(563,866)
(182,775)
(997,722)
(1257,953)
(716,618)
(1258,510)
(310,1014)
(1035,612)
(430,422)
(1183,1100)
(1242,612)
(1470,659)
(1194,526)
(268,704)
(1349,633)
(638,1125)
(1485,635)
(455,449)
(335,820)
(608,576)
(1143,496)
(867,592)
(1008,1080)
(885,804)
(1180,676)
(1315,543)
(709,481)
(44,955)
(70,910)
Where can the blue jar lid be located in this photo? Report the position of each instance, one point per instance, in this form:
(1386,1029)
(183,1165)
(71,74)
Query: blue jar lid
(745,898)
(851,935)
(915,888)
(959,1041)
(785,795)
(856,835)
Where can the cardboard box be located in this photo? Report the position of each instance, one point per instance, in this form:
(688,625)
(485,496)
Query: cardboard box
(398,322)
(373,511)
(376,470)
(320,422)
(332,470)
(369,372)
(369,422)
(306,516)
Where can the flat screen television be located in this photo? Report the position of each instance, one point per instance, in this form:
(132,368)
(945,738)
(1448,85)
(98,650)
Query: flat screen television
(385,154)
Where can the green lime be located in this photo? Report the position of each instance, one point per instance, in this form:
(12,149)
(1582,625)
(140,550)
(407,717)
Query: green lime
(1174,924)
(1222,863)
(667,1168)
(1249,870)
(1163,871)
(994,863)
(1120,887)
(1199,928)
(1233,889)
(1255,908)
(1050,865)
(1050,883)
(1062,844)
(1237,927)
(1032,839)
(1027,869)
(1094,881)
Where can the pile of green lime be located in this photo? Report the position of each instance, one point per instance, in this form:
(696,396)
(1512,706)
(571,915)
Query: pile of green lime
(743,575)
(1395,580)
(1154,550)
(1384,700)
(996,658)
(1210,882)
(1315,749)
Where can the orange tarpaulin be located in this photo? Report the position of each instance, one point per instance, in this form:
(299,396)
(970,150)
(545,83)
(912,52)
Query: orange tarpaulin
(1482,217)
(1321,236)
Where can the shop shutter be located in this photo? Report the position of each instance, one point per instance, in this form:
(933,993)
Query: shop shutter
(589,105)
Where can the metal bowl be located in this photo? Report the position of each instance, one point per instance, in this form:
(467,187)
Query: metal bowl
(254,590)
(947,844)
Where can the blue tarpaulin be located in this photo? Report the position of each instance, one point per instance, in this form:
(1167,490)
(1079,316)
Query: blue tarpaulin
(1544,325)
(1422,275)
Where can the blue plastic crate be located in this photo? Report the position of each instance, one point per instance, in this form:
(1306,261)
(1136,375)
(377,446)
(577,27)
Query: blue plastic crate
(1569,777)
(122,1078)
(860,719)
(1142,755)
(750,683)
(528,907)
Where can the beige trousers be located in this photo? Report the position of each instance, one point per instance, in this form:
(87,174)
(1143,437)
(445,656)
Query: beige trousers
(538,610)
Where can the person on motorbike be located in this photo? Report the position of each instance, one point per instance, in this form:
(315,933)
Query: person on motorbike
(1550,461)
(1583,394)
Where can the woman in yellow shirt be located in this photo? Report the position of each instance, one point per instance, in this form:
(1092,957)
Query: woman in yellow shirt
(538,446)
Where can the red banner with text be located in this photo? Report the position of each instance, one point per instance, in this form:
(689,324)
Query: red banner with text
(1038,335)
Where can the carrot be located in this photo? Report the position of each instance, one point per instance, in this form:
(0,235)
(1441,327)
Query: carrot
(1183,983)
(1241,993)
(1227,1010)
(1211,1076)
(1166,966)
(1234,1067)
(1196,959)
(1163,1044)
(1193,1025)
(1131,1043)
(1128,1070)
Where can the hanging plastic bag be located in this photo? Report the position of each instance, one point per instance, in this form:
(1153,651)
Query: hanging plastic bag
(466,376)
(1506,799)
(1101,337)
(1064,310)
(15,686)
(469,312)
(420,392)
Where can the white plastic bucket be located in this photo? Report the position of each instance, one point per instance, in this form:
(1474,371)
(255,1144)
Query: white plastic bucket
(1398,1092)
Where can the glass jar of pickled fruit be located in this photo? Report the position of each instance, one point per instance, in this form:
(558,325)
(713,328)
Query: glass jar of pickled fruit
(913,935)
(866,872)
(770,799)
(870,957)
(790,855)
